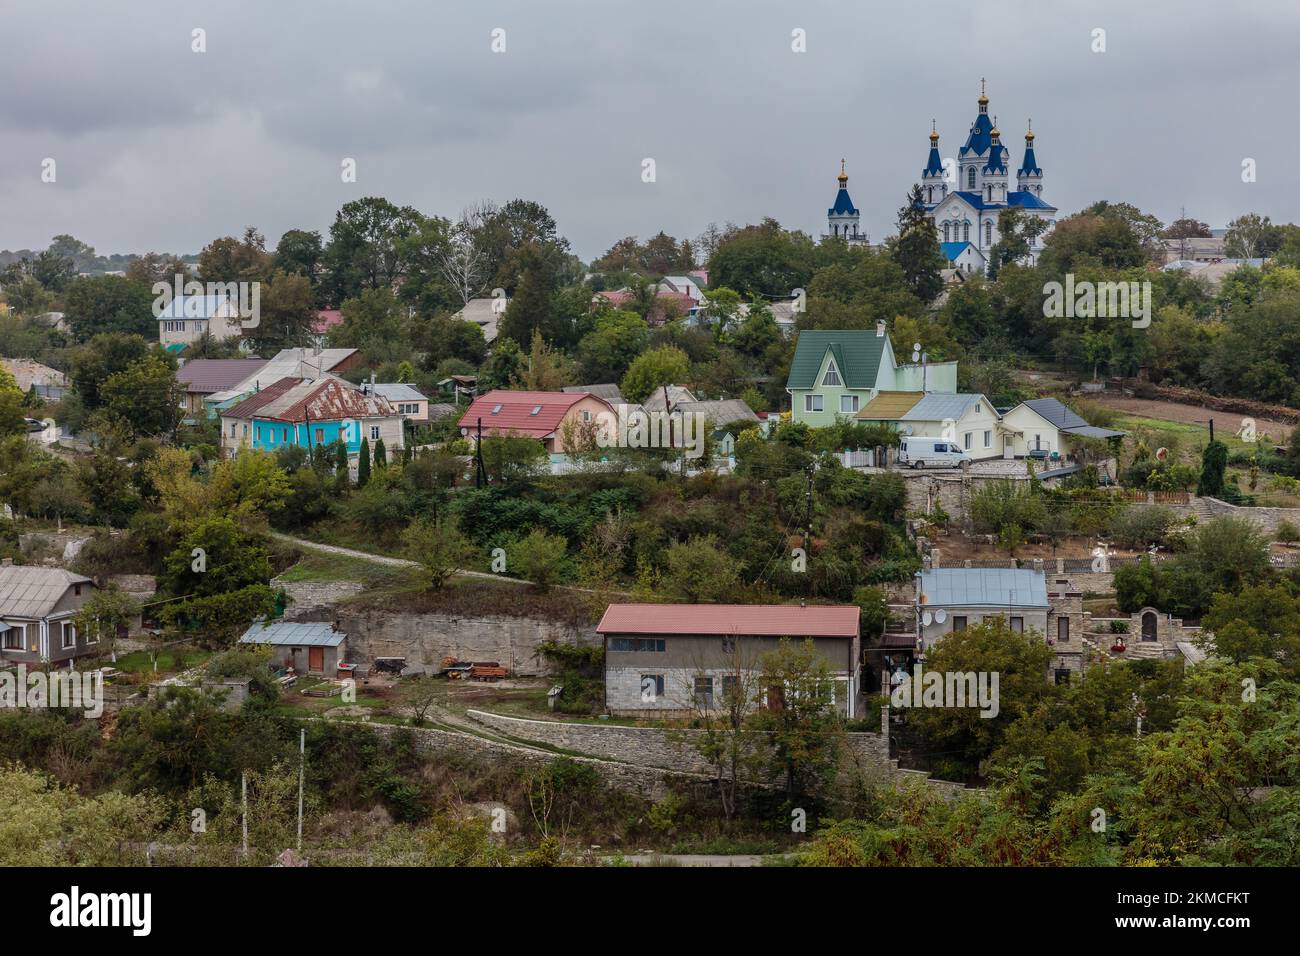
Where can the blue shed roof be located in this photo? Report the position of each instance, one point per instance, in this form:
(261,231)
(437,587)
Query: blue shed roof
(1027,200)
(952,250)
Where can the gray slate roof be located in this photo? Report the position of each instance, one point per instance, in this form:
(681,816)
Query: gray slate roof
(984,587)
(1060,415)
(296,634)
(609,393)
(32,592)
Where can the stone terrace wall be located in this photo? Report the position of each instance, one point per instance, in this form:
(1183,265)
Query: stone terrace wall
(646,782)
(650,746)
(425,639)
(1266,518)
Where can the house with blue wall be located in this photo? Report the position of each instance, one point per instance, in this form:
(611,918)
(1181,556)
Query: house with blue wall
(310,413)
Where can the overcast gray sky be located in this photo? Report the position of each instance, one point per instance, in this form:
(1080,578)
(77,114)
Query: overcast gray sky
(160,148)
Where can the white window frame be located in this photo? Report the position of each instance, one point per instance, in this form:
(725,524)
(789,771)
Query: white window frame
(851,400)
(808,403)
(832,377)
(966,440)
(22,641)
(988,438)
(65,627)
(374,433)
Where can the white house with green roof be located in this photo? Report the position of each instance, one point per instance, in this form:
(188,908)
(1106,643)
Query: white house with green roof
(835,373)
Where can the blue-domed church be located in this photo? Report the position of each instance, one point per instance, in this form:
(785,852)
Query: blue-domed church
(966,217)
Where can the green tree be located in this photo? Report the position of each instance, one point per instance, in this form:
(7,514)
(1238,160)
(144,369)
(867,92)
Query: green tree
(698,571)
(916,248)
(801,724)
(363,463)
(651,370)
(97,304)
(539,557)
(440,547)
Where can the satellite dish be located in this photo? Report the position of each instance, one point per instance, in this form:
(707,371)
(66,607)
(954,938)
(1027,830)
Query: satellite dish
(926,619)
(941,615)
(916,352)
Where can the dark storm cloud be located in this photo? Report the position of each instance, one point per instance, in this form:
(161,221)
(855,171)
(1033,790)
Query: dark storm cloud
(161,148)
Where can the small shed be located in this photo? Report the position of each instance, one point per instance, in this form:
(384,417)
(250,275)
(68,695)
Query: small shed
(308,648)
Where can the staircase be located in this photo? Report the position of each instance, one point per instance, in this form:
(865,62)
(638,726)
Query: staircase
(1203,512)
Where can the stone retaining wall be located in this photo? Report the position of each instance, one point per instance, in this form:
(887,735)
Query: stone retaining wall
(425,639)
(649,746)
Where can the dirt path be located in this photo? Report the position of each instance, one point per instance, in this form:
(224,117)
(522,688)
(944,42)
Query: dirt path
(405,563)
(1224,422)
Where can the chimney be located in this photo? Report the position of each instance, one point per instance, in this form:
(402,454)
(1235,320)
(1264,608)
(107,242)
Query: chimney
(880,328)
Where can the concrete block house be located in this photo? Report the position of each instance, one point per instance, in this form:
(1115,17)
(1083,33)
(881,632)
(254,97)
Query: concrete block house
(314,649)
(668,660)
(37,607)
(953,599)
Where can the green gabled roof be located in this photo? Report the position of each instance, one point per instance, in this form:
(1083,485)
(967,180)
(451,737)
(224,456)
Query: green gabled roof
(857,356)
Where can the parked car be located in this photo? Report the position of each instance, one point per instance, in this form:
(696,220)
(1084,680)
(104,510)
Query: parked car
(917,452)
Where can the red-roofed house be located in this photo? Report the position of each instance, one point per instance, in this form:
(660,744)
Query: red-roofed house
(326,319)
(673,659)
(540,415)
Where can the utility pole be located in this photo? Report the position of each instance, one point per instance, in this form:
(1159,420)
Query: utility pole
(302,761)
(807,518)
(243,813)
(480,472)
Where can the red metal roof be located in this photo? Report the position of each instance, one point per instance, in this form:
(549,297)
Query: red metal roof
(203,376)
(516,413)
(744,620)
(249,406)
(325,320)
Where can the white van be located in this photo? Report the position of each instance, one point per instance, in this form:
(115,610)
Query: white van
(931,453)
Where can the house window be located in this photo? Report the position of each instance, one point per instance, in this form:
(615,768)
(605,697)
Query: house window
(76,590)
(650,644)
(965,232)
(1062,675)
(536,410)
(68,639)
(988,439)
(848,403)
(959,623)
(16,638)
(496,409)
(730,688)
(812,403)
(374,432)
(970,177)
(320,436)
(965,441)
(586,415)
(704,691)
(1063,630)
(232,429)
(945,232)
(729,644)
(245,429)
(1018,625)
(988,233)
(652,687)
(832,375)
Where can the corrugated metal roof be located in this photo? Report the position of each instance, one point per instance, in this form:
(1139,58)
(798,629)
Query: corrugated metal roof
(399,392)
(608,392)
(857,356)
(984,587)
(204,376)
(744,620)
(935,407)
(722,412)
(288,363)
(505,410)
(1056,412)
(31,592)
(327,399)
(296,634)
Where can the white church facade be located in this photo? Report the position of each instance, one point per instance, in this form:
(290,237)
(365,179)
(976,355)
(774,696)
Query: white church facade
(966,217)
